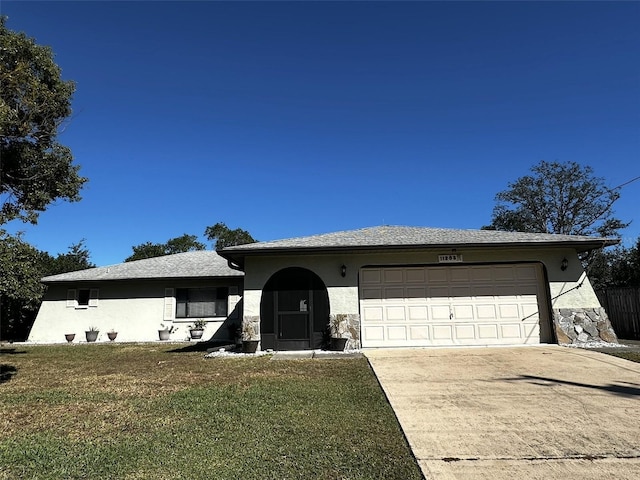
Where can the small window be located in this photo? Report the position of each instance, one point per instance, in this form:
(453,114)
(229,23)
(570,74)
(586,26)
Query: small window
(201,302)
(83,297)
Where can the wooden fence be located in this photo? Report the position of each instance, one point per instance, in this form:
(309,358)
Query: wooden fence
(623,308)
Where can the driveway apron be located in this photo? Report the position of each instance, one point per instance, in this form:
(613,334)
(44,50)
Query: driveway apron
(543,412)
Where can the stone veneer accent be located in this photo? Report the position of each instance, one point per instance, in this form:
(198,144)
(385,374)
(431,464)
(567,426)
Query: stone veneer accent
(254,322)
(350,330)
(582,325)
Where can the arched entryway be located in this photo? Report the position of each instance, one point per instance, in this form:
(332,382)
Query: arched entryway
(294,310)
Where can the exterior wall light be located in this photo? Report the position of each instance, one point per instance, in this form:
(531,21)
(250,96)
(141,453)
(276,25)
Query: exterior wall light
(564,264)
(343,270)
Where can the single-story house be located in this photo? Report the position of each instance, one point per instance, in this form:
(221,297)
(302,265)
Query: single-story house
(388,286)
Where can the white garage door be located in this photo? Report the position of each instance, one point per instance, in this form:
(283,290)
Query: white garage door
(452,305)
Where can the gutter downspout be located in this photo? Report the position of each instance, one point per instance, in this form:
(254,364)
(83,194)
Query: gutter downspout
(234,266)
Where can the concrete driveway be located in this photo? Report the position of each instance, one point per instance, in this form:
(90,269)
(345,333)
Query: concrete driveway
(544,412)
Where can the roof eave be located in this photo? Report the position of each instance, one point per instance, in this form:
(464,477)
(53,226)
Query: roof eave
(48,280)
(237,256)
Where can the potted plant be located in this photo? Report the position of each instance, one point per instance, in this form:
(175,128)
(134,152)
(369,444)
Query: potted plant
(92,334)
(337,326)
(69,337)
(249,338)
(112,334)
(164,331)
(197,329)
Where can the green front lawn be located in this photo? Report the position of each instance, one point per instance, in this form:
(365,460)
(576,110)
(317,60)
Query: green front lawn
(146,412)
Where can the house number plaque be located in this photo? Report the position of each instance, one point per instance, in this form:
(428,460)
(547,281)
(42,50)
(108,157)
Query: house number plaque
(450,258)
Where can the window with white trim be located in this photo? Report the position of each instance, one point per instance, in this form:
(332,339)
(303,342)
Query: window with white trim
(201,302)
(82,297)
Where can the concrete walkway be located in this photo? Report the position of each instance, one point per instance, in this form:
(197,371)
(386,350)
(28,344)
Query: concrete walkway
(544,412)
(317,354)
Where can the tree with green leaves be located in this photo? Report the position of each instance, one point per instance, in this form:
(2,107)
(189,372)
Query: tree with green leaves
(184,243)
(76,258)
(21,291)
(225,237)
(26,265)
(35,169)
(616,267)
(562,198)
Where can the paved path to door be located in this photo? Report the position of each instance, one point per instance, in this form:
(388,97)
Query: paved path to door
(544,412)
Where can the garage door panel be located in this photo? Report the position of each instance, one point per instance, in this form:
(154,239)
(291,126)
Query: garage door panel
(393,292)
(373,333)
(486,312)
(451,305)
(509,311)
(465,332)
(530,311)
(510,330)
(437,292)
(416,275)
(488,332)
(463,312)
(526,272)
(460,291)
(371,293)
(371,276)
(396,333)
(419,292)
(531,330)
(393,275)
(418,313)
(527,289)
(419,332)
(440,312)
(481,274)
(395,314)
(461,275)
(504,274)
(483,291)
(505,291)
(443,332)
(437,275)
(373,313)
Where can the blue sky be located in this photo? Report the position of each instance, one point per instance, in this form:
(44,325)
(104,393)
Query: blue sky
(297,118)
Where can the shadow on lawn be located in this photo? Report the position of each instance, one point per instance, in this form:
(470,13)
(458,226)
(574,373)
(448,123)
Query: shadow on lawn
(11,351)
(207,346)
(625,389)
(7,372)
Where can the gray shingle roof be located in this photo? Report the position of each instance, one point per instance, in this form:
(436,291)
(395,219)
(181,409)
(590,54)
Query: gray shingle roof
(203,263)
(404,237)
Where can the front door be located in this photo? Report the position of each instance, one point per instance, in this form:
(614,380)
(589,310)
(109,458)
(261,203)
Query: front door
(293,319)
(294,311)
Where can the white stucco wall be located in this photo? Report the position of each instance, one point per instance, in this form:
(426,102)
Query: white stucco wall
(343,292)
(135,310)
(571,288)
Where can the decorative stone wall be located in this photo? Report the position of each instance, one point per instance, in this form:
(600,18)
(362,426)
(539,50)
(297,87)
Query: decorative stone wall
(251,327)
(583,325)
(349,329)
